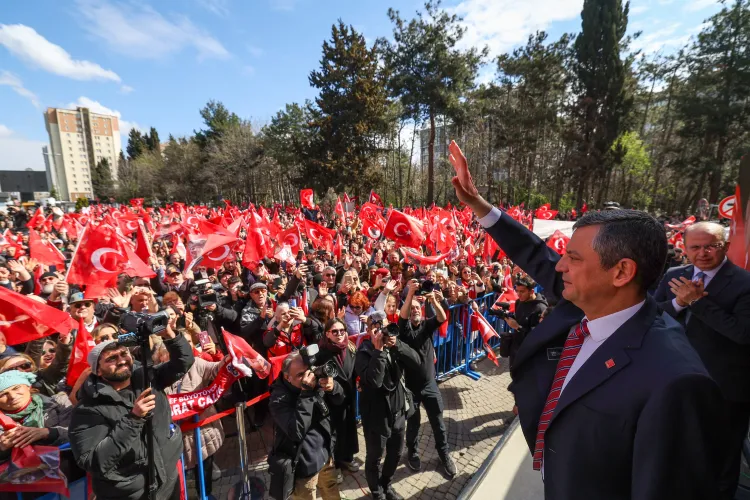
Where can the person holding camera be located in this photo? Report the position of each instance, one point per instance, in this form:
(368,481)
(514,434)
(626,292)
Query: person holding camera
(418,332)
(529,310)
(301,461)
(385,402)
(335,347)
(107,426)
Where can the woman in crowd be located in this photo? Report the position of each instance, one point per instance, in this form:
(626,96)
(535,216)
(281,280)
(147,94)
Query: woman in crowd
(321,311)
(356,313)
(336,348)
(50,365)
(39,419)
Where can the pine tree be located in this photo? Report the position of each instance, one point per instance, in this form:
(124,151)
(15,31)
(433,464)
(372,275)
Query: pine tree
(600,85)
(101,180)
(429,74)
(152,140)
(136,144)
(217,118)
(348,115)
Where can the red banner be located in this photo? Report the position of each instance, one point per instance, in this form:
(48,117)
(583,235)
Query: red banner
(192,403)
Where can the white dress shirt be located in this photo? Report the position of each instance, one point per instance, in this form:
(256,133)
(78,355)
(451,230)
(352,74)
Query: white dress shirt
(490,219)
(709,275)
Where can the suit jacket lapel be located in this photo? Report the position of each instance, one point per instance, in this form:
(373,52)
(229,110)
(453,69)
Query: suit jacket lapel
(558,324)
(721,280)
(609,358)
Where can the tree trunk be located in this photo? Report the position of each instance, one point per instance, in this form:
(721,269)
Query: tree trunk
(431,160)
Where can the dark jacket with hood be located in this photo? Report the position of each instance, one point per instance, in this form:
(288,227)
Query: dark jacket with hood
(528,315)
(108,441)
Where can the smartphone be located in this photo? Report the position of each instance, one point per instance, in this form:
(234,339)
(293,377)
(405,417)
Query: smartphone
(292,302)
(204,339)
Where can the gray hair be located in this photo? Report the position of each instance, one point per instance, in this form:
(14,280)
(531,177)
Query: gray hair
(329,268)
(629,234)
(287,363)
(712,228)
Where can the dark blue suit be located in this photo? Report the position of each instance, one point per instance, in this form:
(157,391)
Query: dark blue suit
(718,327)
(644,428)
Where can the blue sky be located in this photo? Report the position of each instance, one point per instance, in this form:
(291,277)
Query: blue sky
(156,63)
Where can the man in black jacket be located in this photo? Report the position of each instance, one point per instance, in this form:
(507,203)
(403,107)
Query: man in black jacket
(711,299)
(107,427)
(302,458)
(385,403)
(417,333)
(529,310)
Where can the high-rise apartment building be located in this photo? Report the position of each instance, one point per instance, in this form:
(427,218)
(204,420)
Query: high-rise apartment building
(79,140)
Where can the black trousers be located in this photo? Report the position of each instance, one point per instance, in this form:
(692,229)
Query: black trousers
(430,397)
(737,419)
(378,480)
(208,466)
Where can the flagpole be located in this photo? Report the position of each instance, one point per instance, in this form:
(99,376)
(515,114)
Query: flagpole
(75,252)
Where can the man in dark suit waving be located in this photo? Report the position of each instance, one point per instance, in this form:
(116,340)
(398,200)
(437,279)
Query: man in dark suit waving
(613,401)
(711,298)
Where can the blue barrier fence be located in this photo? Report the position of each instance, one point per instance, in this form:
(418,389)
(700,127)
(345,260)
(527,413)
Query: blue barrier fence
(454,353)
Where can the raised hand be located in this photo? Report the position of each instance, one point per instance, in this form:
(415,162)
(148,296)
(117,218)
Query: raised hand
(466,191)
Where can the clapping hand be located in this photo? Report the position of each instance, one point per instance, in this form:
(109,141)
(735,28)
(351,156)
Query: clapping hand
(686,291)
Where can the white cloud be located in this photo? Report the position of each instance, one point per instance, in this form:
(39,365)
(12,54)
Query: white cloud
(17,153)
(31,47)
(5,131)
(696,5)
(639,9)
(665,38)
(139,31)
(97,107)
(126,89)
(254,50)
(502,24)
(9,79)
(218,7)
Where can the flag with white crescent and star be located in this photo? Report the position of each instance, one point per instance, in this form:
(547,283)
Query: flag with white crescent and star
(404,229)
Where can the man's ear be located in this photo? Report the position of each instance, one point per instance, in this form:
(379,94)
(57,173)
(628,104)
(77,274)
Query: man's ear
(624,272)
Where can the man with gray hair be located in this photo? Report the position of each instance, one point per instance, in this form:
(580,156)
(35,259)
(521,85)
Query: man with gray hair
(711,298)
(301,461)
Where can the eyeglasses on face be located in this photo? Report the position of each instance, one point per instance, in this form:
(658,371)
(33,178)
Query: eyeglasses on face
(51,350)
(337,331)
(88,303)
(24,367)
(706,248)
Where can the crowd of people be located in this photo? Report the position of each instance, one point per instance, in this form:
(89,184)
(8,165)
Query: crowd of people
(351,319)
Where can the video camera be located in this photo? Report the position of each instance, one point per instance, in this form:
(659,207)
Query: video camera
(503,312)
(326,370)
(427,286)
(139,326)
(392,330)
(204,292)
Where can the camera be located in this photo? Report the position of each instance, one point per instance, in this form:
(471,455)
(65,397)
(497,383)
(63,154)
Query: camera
(139,326)
(391,330)
(204,292)
(503,312)
(427,286)
(326,370)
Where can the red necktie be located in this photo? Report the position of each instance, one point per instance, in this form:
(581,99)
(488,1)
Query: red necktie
(572,345)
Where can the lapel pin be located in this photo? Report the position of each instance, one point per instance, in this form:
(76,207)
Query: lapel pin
(609,363)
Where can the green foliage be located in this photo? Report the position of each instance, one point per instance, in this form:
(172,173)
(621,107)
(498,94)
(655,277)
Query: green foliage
(136,144)
(81,202)
(101,180)
(152,140)
(53,193)
(567,203)
(217,119)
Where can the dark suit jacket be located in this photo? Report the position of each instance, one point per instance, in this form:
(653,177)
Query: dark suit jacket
(718,326)
(644,429)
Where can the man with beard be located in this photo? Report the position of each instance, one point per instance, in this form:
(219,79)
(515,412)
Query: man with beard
(107,427)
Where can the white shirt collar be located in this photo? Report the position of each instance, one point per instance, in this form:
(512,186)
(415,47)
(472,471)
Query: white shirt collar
(710,273)
(602,328)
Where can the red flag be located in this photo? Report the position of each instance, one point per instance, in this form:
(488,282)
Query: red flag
(545,213)
(404,229)
(584,208)
(319,236)
(558,242)
(416,257)
(337,246)
(23,319)
(292,238)
(479,323)
(375,198)
(44,251)
(101,255)
(340,210)
(210,238)
(306,198)
(78,356)
(244,357)
(373,230)
(509,296)
(143,243)
(36,220)
(737,252)
(128,224)
(257,246)
(216,257)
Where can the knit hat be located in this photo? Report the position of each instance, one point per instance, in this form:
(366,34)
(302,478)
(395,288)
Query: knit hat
(93,357)
(15,377)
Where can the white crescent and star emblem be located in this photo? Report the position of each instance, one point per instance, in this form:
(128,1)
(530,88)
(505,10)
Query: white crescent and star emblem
(291,239)
(398,233)
(560,244)
(314,233)
(220,257)
(96,259)
(191,220)
(131,225)
(373,232)
(259,232)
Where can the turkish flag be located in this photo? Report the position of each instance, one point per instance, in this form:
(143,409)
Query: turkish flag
(292,238)
(306,198)
(257,246)
(319,236)
(404,229)
(479,323)
(36,220)
(375,198)
(78,356)
(373,229)
(418,258)
(44,251)
(514,212)
(143,243)
(545,213)
(444,238)
(216,257)
(70,226)
(101,255)
(244,358)
(737,252)
(687,222)
(509,296)
(558,242)
(337,246)
(211,238)
(128,223)
(340,210)
(584,208)
(24,319)
(11,242)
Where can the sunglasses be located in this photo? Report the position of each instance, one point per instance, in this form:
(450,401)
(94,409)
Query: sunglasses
(48,351)
(24,367)
(337,331)
(88,303)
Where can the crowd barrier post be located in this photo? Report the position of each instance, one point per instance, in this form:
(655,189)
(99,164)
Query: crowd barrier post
(240,415)
(469,334)
(198,448)
(184,476)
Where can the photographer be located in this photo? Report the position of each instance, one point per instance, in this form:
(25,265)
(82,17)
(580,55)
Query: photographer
(385,402)
(301,460)
(418,333)
(107,426)
(529,310)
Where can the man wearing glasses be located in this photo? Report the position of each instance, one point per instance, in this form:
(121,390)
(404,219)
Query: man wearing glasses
(711,298)
(82,307)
